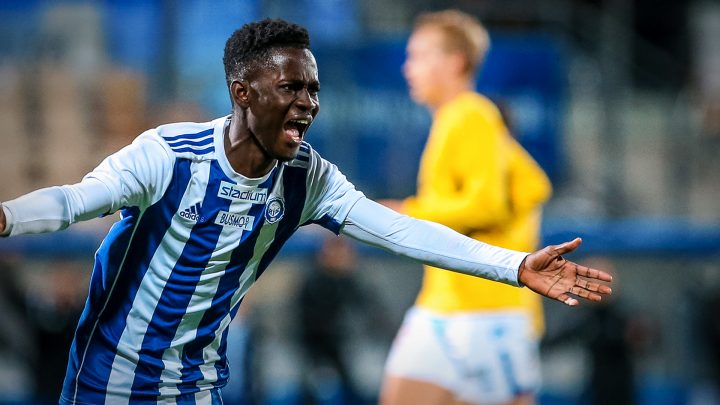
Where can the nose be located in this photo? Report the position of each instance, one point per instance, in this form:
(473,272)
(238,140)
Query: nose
(408,69)
(304,101)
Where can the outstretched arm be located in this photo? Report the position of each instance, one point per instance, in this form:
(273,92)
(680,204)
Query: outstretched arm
(134,176)
(54,208)
(544,271)
(548,273)
(430,243)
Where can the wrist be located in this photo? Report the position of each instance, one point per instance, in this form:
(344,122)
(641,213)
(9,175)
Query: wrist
(521,271)
(4,226)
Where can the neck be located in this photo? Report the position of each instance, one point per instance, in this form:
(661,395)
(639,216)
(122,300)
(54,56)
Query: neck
(449,91)
(244,152)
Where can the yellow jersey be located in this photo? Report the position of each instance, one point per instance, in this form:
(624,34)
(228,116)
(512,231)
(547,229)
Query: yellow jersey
(476,179)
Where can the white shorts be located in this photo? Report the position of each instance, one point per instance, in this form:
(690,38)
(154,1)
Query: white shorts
(482,357)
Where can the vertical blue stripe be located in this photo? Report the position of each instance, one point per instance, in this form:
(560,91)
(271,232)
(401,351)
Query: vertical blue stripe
(116,297)
(178,291)
(221,305)
(105,269)
(295,190)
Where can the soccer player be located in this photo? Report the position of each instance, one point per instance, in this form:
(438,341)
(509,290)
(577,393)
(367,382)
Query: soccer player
(205,209)
(467,340)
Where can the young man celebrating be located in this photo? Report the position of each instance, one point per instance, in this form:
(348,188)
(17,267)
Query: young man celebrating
(207,206)
(467,340)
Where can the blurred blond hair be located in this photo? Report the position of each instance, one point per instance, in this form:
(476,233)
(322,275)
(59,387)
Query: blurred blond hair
(462,33)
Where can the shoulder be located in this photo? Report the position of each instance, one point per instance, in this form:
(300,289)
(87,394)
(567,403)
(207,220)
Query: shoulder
(472,104)
(190,140)
(470,112)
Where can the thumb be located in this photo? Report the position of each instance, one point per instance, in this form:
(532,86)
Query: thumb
(568,247)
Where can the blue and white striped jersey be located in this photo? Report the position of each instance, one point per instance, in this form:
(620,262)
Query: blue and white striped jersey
(170,275)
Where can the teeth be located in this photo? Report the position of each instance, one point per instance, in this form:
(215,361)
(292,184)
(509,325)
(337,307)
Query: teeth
(304,122)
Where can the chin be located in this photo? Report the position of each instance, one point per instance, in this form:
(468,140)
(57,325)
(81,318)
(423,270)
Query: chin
(287,156)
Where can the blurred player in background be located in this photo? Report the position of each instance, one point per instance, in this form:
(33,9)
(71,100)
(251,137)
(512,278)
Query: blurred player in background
(467,340)
(207,206)
(330,294)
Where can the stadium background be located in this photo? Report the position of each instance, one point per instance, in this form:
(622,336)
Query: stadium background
(618,100)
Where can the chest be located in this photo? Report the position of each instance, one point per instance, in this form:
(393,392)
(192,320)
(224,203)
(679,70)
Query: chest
(216,213)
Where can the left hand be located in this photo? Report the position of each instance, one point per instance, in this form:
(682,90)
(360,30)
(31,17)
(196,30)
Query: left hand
(3,221)
(548,273)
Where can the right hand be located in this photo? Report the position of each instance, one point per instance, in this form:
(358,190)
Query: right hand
(548,273)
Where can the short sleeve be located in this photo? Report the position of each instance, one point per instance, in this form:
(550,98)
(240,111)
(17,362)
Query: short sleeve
(330,195)
(138,174)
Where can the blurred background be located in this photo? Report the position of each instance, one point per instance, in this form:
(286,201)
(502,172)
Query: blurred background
(618,100)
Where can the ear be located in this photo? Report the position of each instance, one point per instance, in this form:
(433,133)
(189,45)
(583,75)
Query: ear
(239,92)
(457,63)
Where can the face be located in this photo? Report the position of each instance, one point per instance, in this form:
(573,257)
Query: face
(425,68)
(282,101)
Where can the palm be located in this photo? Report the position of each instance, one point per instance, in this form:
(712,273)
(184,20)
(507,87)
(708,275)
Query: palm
(548,273)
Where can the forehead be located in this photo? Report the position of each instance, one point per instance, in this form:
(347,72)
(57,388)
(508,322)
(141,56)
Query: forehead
(291,63)
(425,38)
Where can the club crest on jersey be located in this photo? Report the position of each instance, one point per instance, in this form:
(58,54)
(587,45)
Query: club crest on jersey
(274,210)
(192,213)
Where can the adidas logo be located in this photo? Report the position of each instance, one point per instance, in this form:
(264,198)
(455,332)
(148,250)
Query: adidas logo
(192,213)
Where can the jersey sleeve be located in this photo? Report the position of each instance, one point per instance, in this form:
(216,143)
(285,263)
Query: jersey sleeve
(466,188)
(138,174)
(134,176)
(330,196)
(431,243)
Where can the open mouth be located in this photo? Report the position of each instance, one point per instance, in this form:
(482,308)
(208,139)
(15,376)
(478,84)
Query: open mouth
(295,129)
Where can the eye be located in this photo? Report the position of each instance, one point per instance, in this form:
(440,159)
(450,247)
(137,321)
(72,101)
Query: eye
(314,89)
(286,87)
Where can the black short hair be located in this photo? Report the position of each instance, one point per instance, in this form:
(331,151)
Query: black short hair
(252,43)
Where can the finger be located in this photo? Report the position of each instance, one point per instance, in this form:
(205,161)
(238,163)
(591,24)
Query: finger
(567,300)
(593,273)
(567,247)
(588,295)
(592,286)
(599,288)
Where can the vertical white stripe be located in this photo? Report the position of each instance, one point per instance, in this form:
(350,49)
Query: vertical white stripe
(210,353)
(206,288)
(203,398)
(150,290)
(200,302)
